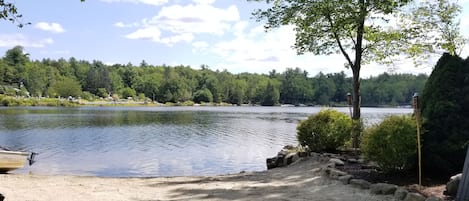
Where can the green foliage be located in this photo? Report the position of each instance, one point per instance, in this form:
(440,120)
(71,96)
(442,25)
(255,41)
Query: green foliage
(88,96)
(102,92)
(389,89)
(445,110)
(392,144)
(180,83)
(128,92)
(65,88)
(442,17)
(271,95)
(203,95)
(326,131)
(12,101)
(358,30)
(296,87)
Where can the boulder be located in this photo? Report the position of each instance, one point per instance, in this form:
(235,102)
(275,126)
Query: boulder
(337,162)
(302,154)
(290,158)
(282,154)
(414,197)
(345,179)
(383,189)
(452,185)
(360,183)
(433,198)
(289,147)
(335,173)
(400,193)
(271,163)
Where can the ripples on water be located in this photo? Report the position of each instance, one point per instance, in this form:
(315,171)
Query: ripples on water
(155,141)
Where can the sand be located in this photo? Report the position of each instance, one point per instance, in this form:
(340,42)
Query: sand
(301,181)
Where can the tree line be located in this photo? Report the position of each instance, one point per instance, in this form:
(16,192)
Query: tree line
(93,80)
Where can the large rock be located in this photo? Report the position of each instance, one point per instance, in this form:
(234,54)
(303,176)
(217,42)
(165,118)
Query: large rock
(433,198)
(383,188)
(400,193)
(337,162)
(290,158)
(414,197)
(452,185)
(360,183)
(335,173)
(345,179)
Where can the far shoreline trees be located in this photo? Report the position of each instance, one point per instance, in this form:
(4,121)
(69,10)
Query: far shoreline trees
(95,80)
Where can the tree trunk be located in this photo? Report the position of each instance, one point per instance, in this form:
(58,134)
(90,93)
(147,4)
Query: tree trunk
(357,64)
(356,94)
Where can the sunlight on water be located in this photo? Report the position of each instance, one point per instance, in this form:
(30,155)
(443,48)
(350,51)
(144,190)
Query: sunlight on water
(155,141)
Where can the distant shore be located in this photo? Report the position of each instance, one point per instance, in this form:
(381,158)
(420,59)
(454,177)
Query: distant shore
(62,102)
(301,181)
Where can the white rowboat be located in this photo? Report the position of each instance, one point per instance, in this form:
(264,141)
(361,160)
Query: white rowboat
(11,160)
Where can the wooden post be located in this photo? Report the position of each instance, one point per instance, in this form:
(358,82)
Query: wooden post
(417,119)
(463,189)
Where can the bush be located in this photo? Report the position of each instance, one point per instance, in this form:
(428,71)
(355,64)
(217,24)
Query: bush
(88,96)
(445,112)
(326,131)
(392,144)
(203,95)
(128,92)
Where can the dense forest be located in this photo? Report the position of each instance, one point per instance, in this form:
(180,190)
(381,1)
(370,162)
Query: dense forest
(19,76)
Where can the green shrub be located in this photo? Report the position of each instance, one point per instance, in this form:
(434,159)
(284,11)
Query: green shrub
(392,144)
(203,95)
(88,96)
(445,112)
(326,131)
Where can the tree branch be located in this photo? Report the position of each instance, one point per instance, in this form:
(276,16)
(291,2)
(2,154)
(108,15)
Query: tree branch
(339,43)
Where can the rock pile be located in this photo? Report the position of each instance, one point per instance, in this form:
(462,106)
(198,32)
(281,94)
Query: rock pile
(377,188)
(287,156)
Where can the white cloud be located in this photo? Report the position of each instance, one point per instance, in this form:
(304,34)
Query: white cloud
(11,40)
(149,2)
(254,50)
(148,33)
(183,23)
(200,44)
(119,24)
(124,25)
(199,47)
(154,34)
(51,27)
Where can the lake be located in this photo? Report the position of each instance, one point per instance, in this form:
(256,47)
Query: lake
(155,141)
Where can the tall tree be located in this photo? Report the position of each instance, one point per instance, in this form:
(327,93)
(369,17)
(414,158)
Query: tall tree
(441,17)
(360,30)
(16,60)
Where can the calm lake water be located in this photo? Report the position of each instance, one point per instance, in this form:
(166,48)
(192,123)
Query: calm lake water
(155,141)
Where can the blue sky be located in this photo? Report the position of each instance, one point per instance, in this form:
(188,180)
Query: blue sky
(219,33)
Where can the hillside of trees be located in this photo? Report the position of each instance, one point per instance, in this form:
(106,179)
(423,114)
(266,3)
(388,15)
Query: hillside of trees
(19,76)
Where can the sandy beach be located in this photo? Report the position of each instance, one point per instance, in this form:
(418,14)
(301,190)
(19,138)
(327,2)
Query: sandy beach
(300,181)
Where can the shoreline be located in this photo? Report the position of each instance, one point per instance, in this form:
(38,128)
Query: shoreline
(303,180)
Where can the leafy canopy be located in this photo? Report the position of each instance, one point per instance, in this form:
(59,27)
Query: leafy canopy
(326,27)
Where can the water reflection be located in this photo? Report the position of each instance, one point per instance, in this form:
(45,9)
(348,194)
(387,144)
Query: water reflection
(159,141)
